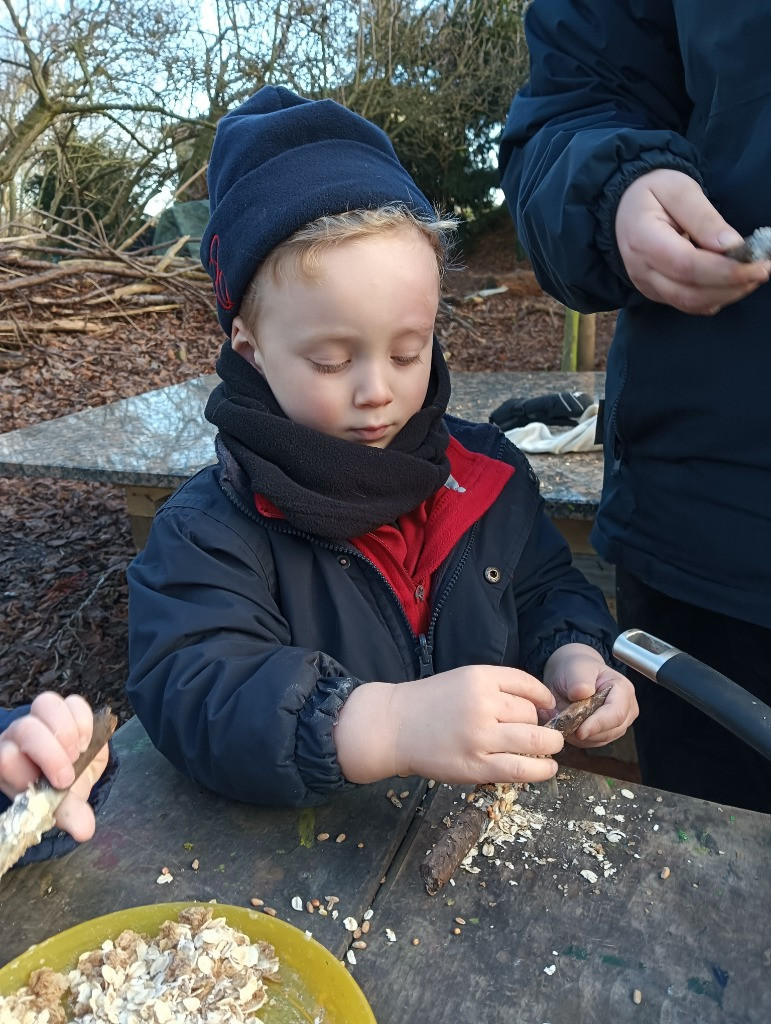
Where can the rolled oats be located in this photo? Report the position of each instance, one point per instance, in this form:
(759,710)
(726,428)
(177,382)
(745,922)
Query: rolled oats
(197,968)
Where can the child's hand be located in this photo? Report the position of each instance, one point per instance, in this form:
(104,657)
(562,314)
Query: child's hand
(575,672)
(470,725)
(47,741)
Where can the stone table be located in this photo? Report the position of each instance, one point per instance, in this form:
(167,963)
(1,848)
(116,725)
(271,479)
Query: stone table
(149,444)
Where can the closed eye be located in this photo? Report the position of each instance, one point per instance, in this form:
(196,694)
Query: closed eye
(330,367)
(407,360)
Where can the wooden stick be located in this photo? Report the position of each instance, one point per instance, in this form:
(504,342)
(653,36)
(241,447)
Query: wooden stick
(451,849)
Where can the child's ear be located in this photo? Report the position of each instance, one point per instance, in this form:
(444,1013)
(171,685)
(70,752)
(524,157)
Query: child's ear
(245,344)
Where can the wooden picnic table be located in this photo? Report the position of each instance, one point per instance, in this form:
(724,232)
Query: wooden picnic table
(541,942)
(149,444)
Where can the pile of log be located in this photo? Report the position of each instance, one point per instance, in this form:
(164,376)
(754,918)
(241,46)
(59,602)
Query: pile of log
(81,284)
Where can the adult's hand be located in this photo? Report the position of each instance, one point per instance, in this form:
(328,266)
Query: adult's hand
(671,239)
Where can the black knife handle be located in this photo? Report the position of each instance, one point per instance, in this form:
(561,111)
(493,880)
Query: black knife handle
(719,697)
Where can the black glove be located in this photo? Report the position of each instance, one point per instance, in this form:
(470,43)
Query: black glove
(560,410)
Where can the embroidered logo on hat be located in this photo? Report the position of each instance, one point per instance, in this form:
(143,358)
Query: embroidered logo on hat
(220,284)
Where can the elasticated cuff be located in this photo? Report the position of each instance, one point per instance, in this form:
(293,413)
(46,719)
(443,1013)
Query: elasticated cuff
(535,660)
(316,754)
(615,188)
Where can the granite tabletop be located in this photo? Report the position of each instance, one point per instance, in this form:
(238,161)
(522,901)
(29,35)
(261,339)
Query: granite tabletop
(160,438)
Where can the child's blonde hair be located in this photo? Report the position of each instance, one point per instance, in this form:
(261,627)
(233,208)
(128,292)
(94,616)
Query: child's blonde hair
(300,254)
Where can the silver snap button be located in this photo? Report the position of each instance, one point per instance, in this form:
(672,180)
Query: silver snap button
(492,575)
(344,561)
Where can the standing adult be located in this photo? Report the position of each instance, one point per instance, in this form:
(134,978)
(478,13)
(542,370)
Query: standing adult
(635,156)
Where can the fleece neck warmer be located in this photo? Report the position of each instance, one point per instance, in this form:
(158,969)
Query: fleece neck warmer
(323,485)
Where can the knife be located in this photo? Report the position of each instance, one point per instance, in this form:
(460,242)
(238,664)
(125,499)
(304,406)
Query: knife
(711,692)
(756,246)
(32,812)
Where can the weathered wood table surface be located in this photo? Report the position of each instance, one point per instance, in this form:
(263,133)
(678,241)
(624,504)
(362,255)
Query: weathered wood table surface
(541,942)
(150,444)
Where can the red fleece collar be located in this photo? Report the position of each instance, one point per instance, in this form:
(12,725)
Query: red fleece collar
(409,552)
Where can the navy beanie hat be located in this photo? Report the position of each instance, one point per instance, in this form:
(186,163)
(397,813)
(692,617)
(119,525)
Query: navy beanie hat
(280,161)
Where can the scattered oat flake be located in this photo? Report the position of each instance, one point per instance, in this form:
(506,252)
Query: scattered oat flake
(297,903)
(589,875)
(390,935)
(351,924)
(628,794)
(163,879)
(550,969)
(350,956)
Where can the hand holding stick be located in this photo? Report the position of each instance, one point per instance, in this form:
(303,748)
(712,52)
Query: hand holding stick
(32,812)
(469,827)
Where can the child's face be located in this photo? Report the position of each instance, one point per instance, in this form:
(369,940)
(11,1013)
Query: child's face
(348,351)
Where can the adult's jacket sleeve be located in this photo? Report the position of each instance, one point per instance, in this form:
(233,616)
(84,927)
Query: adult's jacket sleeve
(214,677)
(605,103)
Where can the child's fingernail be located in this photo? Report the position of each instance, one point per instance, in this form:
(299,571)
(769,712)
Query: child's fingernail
(726,239)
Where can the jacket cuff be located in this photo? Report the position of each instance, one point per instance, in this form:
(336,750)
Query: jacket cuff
(316,753)
(611,197)
(535,660)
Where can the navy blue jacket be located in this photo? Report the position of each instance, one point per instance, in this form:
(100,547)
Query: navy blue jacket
(56,842)
(246,636)
(618,88)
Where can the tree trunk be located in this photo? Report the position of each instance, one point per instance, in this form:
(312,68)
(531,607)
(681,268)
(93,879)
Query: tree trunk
(587,333)
(570,342)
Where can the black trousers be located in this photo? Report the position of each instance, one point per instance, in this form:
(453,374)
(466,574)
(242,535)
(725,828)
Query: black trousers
(679,748)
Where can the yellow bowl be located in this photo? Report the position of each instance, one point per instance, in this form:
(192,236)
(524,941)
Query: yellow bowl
(314,985)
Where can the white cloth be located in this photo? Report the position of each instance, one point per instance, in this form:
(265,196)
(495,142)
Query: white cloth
(537,437)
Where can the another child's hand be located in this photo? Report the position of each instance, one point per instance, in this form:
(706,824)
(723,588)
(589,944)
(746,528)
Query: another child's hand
(47,740)
(472,725)
(576,671)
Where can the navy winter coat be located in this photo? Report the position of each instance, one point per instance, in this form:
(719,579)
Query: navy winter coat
(246,636)
(619,88)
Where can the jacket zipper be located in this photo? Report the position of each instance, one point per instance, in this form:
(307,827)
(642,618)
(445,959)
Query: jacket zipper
(615,437)
(420,644)
(424,646)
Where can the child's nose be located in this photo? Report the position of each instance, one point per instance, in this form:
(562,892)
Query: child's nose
(373,387)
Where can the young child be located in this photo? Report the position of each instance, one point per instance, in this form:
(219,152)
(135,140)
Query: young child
(363,586)
(45,738)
